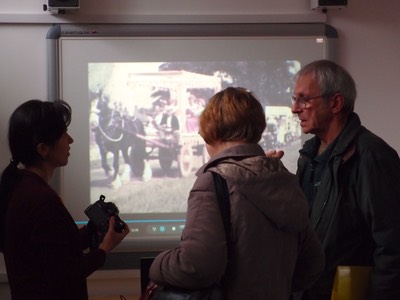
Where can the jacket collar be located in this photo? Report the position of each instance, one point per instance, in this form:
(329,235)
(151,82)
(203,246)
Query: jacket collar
(244,150)
(344,139)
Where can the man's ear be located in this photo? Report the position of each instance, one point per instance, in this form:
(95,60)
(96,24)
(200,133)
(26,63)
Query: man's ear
(337,102)
(43,150)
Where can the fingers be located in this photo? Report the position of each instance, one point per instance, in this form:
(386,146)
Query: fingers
(112,237)
(111,226)
(124,232)
(126,228)
(274,153)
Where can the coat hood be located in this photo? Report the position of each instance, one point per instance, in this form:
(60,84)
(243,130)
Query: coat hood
(265,182)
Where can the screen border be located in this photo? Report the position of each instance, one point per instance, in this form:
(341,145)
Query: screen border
(125,257)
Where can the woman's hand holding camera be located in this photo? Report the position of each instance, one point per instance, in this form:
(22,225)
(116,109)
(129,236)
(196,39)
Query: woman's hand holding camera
(112,237)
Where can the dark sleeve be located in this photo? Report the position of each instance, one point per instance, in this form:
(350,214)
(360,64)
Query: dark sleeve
(84,237)
(310,262)
(175,123)
(378,188)
(201,257)
(57,242)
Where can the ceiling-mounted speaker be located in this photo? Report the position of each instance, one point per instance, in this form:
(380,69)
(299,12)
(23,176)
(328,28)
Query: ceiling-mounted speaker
(324,4)
(60,6)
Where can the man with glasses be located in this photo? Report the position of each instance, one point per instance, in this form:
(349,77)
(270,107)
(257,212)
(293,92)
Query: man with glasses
(351,178)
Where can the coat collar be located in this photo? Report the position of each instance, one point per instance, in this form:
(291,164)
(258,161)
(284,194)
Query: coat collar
(244,150)
(344,140)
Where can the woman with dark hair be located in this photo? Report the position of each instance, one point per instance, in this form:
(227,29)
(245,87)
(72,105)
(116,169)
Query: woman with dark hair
(273,249)
(42,246)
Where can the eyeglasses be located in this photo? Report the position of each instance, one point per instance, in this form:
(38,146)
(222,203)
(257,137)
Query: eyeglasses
(303,102)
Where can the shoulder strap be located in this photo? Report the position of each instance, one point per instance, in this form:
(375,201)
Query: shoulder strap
(221,188)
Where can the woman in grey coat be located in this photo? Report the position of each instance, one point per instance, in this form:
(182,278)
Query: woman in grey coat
(274,250)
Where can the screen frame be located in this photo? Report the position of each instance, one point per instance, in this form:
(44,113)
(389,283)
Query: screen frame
(128,256)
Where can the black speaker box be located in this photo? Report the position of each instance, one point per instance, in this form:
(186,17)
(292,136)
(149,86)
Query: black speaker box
(63,4)
(328,3)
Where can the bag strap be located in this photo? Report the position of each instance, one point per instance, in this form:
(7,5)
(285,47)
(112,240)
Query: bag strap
(224,203)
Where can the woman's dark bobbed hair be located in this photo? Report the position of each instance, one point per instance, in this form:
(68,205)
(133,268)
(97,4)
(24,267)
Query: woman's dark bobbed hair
(35,122)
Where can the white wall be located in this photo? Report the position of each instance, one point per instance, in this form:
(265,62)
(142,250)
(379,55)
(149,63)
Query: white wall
(369,47)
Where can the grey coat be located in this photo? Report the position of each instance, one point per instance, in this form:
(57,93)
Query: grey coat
(274,248)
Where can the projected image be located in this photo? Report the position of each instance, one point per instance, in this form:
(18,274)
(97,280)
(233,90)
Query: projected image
(144,141)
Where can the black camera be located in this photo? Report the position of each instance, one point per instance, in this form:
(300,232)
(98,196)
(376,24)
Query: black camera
(99,214)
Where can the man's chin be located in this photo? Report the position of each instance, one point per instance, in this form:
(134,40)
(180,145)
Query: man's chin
(306,130)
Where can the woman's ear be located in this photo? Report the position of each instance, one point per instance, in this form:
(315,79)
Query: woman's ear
(43,150)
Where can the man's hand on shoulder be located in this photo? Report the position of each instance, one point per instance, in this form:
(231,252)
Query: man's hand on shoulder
(274,153)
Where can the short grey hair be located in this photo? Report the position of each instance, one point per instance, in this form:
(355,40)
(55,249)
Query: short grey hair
(331,79)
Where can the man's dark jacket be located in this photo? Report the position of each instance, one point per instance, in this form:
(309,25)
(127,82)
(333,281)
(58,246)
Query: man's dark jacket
(356,211)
